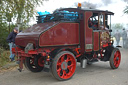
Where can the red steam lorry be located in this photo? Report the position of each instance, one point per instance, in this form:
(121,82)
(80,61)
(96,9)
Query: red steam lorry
(70,35)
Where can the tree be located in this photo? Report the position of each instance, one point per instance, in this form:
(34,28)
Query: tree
(3,35)
(117,26)
(126,10)
(19,10)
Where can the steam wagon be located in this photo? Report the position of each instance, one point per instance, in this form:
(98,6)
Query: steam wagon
(70,35)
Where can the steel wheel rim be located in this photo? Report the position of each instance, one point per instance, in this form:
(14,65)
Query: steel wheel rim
(66,66)
(117,58)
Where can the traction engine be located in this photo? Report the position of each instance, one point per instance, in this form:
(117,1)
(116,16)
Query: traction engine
(70,35)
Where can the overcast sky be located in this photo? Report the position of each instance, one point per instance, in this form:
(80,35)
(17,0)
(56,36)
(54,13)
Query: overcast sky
(115,6)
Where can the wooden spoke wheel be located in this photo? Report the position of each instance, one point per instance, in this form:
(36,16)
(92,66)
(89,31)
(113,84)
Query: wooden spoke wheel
(64,65)
(115,58)
(33,65)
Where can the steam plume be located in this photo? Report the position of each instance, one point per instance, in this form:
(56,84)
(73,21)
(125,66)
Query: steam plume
(88,5)
(125,1)
(106,2)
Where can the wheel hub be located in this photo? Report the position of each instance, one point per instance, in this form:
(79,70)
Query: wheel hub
(41,61)
(64,65)
(117,58)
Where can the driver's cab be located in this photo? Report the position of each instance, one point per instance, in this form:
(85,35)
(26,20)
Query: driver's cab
(97,29)
(99,21)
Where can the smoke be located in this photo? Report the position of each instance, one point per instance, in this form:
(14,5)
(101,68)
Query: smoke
(125,1)
(107,2)
(88,5)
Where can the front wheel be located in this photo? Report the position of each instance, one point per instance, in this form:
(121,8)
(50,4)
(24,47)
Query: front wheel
(115,58)
(63,65)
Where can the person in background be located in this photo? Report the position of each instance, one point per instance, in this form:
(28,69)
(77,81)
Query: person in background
(124,37)
(117,36)
(11,41)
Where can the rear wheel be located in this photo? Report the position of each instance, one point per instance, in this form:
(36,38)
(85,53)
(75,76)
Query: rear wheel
(115,58)
(34,64)
(63,65)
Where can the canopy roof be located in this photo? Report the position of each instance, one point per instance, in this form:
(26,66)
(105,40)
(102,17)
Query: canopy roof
(83,10)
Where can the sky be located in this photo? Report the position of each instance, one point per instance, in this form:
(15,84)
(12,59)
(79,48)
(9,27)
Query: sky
(116,6)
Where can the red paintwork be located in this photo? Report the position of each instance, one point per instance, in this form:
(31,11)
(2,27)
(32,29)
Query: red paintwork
(88,31)
(31,35)
(105,45)
(70,67)
(41,61)
(61,34)
(82,34)
(117,59)
(96,41)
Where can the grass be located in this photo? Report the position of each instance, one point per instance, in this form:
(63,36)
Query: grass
(4,57)
(5,64)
